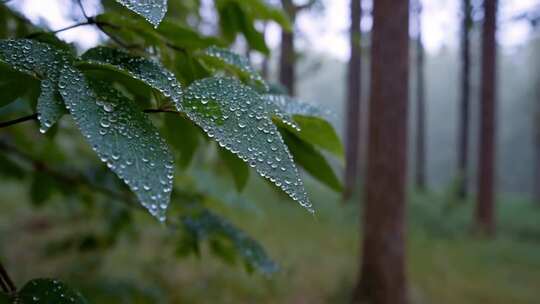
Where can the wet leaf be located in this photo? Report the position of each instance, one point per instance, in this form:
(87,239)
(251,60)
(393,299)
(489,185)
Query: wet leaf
(123,137)
(46,291)
(41,61)
(205,225)
(152,73)
(220,57)
(312,161)
(152,10)
(237,118)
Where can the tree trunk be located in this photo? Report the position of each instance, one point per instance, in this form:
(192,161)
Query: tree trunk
(420,174)
(382,277)
(464,118)
(485,222)
(352,132)
(536,185)
(287,59)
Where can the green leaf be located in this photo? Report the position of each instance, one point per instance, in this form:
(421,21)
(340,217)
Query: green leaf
(10,169)
(184,37)
(238,64)
(12,84)
(260,10)
(235,115)
(312,161)
(123,137)
(152,10)
(43,62)
(205,225)
(308,123)
(152,73)
(238,168)
(50,106)
(183,136)
(46,291)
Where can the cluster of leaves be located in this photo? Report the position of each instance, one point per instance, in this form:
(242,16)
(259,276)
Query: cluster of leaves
(164,66)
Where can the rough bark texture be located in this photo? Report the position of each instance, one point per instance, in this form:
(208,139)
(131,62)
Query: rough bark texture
(464,116)
(485,222)
(420,172)
(287,59)
(353,106)
(383,275)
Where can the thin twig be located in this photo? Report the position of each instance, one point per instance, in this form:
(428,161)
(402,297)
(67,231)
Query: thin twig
(7,280)
(18,120)
(87,22)
(82,9)
(35,117)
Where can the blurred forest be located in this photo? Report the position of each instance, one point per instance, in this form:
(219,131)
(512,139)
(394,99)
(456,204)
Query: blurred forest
(422,164)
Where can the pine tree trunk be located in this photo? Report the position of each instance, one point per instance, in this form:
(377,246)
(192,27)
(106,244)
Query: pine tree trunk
(352,114)
(485,222)
(382,277)
(287,59)
(464,116)
(420,174)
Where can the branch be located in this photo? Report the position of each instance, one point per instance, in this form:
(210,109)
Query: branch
(6,282)
(35,116)
(18,120)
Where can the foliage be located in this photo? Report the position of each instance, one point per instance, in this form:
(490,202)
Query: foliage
(154,96)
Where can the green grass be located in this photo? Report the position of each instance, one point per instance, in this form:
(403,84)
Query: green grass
(318,255)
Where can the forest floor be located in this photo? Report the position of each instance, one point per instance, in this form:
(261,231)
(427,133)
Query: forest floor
(318,255)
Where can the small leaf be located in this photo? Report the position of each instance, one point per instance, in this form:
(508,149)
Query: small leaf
(152,73)
(50,106)
(307,122)
(205,225)
(43,62)
(46,291)
(312,161)
(123,137)
(152,10)
(239,64)
(238,168)
(183,135)
(235,115)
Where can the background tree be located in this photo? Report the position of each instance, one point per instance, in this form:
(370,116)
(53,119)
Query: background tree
(353,102)
(485,208)
(382,275)
(287,56)
(464,105)
(420,159)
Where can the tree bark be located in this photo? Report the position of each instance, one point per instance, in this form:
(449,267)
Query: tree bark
(287,59)
(382,278)
(464,116)
(536,185)
(353,106)
(420,174)
(485,222)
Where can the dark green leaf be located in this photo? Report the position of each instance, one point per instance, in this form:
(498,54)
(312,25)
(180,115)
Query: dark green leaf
(46,291)
(151,10)
(205,225)
(236,116)
(123,137)
(184,37)
(183,136)
(152,73)
(311,160)
(238,168)
(10,169)
(43,62)
(223,58)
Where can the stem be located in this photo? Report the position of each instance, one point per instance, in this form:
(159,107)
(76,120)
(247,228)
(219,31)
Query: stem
(35,117)
(7,283)
(82,9)
(87,22)
(18,120)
